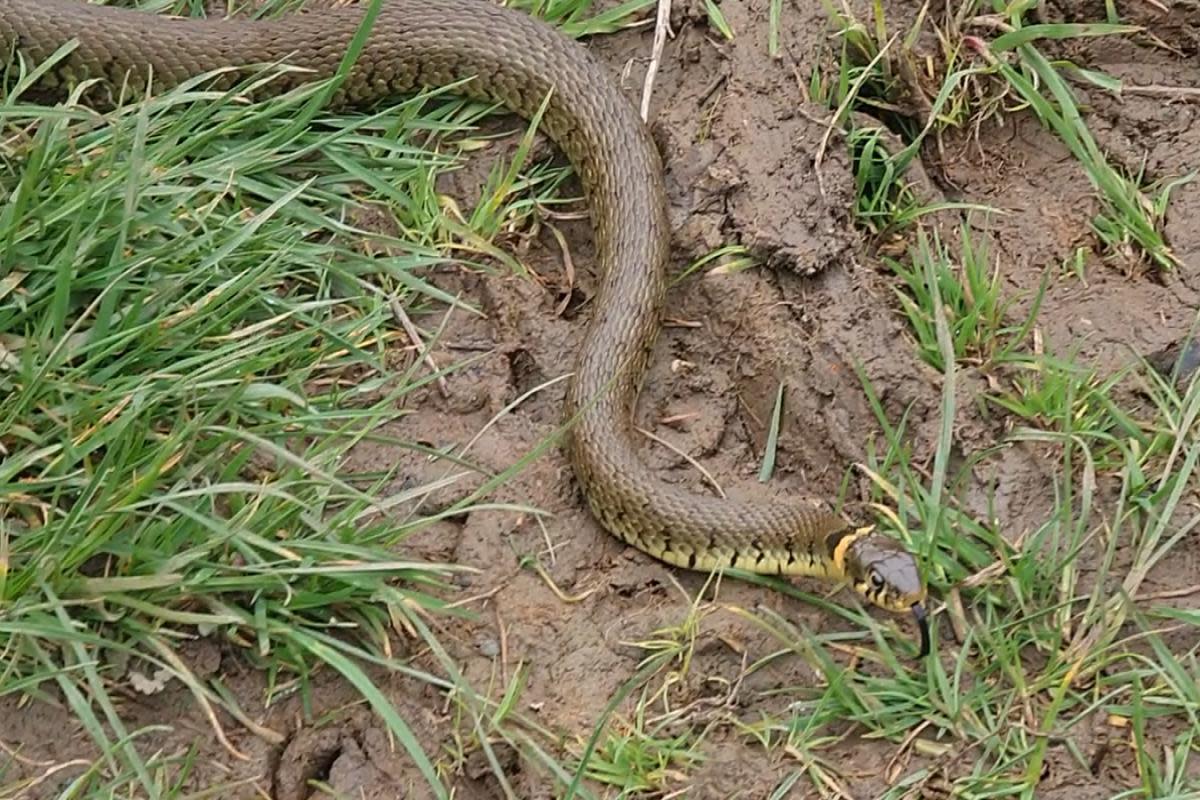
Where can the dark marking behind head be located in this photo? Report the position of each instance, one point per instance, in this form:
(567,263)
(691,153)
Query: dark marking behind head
(835,538)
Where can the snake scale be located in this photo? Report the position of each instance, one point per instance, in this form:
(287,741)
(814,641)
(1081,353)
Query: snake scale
(504,56)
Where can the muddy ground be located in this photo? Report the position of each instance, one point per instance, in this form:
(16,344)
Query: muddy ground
(738,140)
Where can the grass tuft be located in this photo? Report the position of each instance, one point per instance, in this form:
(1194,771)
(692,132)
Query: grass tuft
(969,293)
(198,328)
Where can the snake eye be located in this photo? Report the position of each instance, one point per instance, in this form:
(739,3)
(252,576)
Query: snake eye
(876,580)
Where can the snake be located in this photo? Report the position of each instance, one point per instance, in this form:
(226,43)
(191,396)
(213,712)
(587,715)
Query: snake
(504,56)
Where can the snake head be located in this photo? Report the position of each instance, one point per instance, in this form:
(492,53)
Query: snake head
(883,572)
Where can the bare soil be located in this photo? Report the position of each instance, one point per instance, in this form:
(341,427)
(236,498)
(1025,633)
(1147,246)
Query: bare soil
(738,139)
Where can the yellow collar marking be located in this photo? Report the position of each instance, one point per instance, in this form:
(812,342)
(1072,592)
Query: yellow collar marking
(839,552)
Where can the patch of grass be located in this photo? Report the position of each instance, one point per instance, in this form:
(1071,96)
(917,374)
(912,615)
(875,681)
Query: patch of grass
(879,100)
(1042,636)
(1130,220)
(1062,395)
(192,347)
(655,747)
(637,758)
(884,200)
(917,89)
(1051,637)
(916,92)
(515,193)
(725,260)
(655,744)
(965,286)
(867,71)
(895,80)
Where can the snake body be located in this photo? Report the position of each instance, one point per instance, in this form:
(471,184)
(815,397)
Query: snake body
(507,57)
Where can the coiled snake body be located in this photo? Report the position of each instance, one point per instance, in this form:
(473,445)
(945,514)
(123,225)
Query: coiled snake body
(508,57)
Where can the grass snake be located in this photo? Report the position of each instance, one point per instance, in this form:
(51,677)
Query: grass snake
(505,56)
